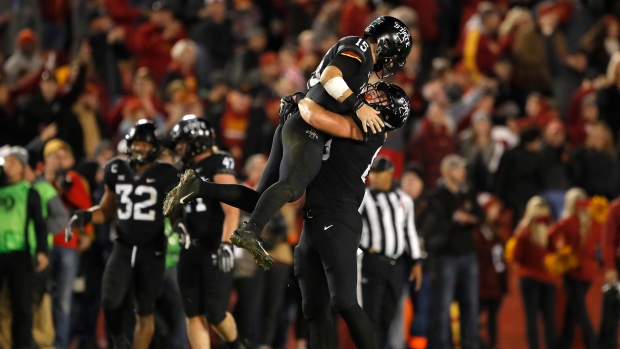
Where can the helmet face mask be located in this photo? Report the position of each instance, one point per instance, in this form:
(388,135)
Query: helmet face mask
(391,101)
(143,131)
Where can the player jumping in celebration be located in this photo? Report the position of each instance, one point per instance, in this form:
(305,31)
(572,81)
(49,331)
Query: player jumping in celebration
(336,85)
(205,265)
(325,258)
(133,194)
(333,198)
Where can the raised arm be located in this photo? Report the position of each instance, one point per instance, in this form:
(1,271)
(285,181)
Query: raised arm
(328,122)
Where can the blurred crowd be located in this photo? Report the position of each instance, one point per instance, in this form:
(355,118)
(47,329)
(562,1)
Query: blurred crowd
(525,92)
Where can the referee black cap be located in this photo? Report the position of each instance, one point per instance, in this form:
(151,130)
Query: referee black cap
(382,164)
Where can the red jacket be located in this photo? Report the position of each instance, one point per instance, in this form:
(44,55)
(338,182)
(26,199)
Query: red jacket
(611,237)
(56,11)
(567,231)
(531,257)
(76,198)
(490,250)
(123,14)
(152,50)
(353,19)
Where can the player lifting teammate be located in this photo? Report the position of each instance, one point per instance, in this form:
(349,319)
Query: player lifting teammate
(336,85)
(337,190)
(325,258)
(133,194)
(205,265)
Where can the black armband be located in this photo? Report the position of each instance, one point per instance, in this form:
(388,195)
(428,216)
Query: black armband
(353,102)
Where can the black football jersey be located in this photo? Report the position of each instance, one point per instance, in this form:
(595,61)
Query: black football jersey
(346,164)
(353,47)
(140,199)
(204,217)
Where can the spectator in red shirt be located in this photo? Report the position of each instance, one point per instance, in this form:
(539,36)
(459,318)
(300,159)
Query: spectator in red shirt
(482,47)
(74,192)
(124,14)
(538,112)
(537,285)
(234,121)
(582,234)
(181,67)
(493,286)
(354,17)
(433,141)
(153,40)
(587,116)
(143,88)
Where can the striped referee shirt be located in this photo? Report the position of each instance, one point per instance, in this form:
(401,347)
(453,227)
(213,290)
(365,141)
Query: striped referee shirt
(389,228)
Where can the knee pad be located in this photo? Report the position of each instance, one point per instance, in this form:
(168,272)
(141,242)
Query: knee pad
(215,312)
(341,303)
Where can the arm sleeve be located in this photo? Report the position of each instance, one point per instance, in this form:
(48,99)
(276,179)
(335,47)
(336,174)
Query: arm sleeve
(58,216)
(348,62)
(36,215)
(413,243)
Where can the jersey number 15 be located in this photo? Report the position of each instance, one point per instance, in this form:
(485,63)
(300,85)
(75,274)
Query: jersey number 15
(139,210)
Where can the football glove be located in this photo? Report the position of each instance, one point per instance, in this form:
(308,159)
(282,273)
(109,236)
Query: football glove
(225,257)
(79,219)
(288,106)
(184,239)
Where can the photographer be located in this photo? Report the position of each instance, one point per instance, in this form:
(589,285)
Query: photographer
(74,192)
(21,219)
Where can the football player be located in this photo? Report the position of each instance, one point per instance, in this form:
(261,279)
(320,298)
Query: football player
(133,195)
(205,265)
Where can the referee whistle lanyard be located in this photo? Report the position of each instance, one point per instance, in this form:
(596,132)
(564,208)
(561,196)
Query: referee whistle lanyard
(134,250)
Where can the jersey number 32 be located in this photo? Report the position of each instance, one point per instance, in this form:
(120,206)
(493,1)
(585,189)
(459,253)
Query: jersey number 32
(139,210)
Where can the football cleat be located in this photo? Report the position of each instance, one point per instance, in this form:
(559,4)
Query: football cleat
(185,192)
(249,240)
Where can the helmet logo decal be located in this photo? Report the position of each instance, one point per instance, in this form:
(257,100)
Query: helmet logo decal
(402,36)
(404,109)
(192,125)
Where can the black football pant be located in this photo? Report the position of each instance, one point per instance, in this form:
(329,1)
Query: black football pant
(17,268)
(295,159)
(241,196)
(130,271)
(326,268)
(382,281)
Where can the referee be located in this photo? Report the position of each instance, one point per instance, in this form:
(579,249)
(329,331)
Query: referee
(388,232)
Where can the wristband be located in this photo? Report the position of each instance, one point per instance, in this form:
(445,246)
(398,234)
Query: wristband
(353,102)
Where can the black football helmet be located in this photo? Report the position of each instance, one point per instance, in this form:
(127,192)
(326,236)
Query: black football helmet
(143,130)
(393,44)
(197,132)
(391,101)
